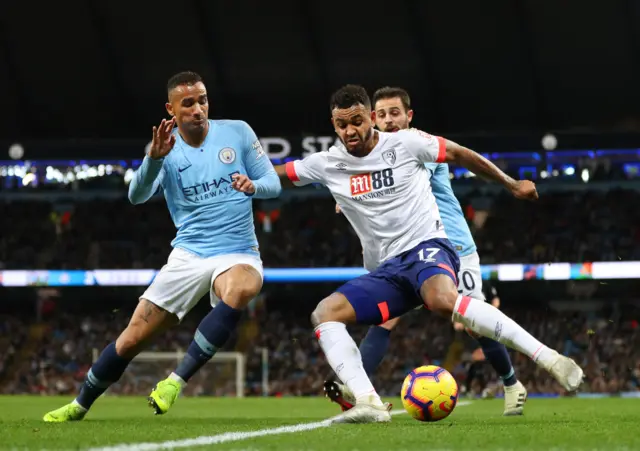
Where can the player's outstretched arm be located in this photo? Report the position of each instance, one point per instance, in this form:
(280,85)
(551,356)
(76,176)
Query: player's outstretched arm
(303,172)
(281,171)
(479,165)
(149,175)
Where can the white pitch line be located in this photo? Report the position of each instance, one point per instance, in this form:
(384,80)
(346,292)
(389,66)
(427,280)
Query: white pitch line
(228,436)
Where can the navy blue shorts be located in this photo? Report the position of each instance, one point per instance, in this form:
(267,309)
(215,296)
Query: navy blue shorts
(394,287)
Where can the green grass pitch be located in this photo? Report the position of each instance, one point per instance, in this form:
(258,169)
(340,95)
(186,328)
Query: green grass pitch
(548,424)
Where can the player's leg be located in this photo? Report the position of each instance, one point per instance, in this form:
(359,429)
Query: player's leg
(179,285)
(235,285)
(438,289)
(370,299)
(470,284)
(148,320)
(374,345)
(236,288)
(373,348)
(329,319)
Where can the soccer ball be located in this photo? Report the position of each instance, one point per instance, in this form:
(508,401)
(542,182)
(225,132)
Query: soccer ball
(429,393)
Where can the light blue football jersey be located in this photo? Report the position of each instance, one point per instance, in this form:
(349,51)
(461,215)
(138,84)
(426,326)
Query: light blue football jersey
(455,224)
(211,217)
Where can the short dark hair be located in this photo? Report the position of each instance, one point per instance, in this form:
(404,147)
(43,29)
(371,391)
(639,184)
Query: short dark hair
(389,92)
(183,78)
(348,96)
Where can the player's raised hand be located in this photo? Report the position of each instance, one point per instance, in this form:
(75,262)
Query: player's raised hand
(243,184)
(163,140)
(525,189)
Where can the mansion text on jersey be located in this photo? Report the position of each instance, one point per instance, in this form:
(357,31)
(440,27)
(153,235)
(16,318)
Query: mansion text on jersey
(374,194)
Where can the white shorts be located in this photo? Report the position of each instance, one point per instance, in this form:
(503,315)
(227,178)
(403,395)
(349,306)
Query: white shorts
(470,276)
(186,278)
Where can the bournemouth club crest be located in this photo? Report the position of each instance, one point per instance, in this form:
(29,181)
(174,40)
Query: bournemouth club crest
(389,157)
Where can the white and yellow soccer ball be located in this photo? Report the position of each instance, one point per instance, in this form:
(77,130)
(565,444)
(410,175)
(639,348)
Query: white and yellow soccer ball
(429,393)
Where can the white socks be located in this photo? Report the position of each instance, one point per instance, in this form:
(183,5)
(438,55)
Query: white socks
(84,409)
(178,379)
(344,357)
(486,320)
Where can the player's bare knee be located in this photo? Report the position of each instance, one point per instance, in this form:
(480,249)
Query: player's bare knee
(439,294)
(238,296)
(238,286)
(334,308)
(443,302)
(321,313)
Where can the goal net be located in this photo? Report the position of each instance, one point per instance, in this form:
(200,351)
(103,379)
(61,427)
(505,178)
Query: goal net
(224,375)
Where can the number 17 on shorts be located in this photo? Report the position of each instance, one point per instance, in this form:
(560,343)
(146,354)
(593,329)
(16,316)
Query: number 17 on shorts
(436,256)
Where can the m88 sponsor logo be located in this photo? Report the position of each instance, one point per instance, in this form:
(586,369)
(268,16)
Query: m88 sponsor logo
(362,184)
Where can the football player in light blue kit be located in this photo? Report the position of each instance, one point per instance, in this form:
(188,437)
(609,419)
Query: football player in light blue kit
(208,170)
(392,113)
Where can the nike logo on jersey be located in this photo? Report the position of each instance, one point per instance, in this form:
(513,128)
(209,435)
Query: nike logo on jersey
(185,168)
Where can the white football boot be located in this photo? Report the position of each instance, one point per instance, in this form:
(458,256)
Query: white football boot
(365,413)
(514,398)
(565,370)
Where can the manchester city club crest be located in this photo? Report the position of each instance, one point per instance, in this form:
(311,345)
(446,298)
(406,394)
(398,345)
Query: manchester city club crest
(227,155)
(389,157)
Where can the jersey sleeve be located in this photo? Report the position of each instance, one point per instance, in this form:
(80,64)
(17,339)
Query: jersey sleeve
(255,159)
(146,181)
(308,170)
(259,167)
(424,147)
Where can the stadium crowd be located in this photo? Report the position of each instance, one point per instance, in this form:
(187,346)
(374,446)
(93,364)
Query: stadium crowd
(12,336)
(606,344)
(570,226)
(563,226)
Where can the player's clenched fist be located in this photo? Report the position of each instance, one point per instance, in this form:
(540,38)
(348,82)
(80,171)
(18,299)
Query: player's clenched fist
(242,183)
(525,189)
(163,140)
